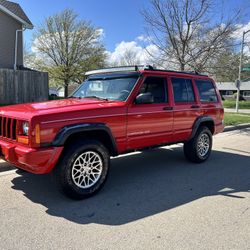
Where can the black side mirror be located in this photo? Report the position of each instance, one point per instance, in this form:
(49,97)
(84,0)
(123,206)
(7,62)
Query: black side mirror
(144,98)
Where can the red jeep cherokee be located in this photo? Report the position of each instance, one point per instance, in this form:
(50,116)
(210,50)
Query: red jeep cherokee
(114,111)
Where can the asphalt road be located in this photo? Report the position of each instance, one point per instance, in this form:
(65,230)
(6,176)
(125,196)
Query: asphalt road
(152,200)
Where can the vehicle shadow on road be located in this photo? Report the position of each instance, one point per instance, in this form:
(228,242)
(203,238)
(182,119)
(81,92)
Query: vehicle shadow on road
(142,185)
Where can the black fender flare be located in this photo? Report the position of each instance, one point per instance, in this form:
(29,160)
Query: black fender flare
(198,122)
(69,130)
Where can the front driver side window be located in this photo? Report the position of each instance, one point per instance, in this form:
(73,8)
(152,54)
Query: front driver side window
(157,87)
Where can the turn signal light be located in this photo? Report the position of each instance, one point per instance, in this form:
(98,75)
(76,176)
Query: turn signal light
(37,134)
(23,139)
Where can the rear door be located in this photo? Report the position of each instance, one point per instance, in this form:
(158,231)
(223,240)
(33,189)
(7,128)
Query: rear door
(150,124)
(186,107)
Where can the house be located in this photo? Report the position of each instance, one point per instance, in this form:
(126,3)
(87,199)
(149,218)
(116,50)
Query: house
(53,91)
(71,89)
(228,89)
(13,22)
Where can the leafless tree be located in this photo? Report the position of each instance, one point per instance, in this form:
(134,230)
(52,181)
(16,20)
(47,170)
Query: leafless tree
(186,31)
(127,58)
(130,58)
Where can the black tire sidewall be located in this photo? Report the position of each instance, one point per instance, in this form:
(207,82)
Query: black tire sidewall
(190,147)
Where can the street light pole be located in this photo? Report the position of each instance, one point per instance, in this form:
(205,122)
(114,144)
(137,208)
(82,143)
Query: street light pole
(240,66)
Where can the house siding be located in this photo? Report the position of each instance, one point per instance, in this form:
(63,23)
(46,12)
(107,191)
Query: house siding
(8,27)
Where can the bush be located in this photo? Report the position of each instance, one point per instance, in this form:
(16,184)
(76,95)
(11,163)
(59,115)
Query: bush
(241,98)
(231,104)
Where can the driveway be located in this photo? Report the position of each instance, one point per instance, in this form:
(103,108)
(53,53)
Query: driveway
(152,200)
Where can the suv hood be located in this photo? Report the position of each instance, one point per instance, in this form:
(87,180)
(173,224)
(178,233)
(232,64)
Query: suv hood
(57,106)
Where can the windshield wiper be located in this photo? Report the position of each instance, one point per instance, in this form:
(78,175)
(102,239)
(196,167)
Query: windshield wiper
(75,97)
(96,97)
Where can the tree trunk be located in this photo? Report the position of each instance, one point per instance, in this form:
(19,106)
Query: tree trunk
(66,88)
(182,66)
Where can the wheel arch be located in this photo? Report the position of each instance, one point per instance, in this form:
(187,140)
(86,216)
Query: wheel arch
(203,121)
(97,131)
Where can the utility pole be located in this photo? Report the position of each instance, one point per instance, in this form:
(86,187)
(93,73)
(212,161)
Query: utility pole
(240,66)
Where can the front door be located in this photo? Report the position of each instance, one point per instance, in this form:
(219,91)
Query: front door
(150,124)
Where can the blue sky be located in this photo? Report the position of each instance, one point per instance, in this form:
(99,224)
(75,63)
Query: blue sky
(120,20)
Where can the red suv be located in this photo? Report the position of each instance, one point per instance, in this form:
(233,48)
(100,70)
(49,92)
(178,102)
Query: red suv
(113,112)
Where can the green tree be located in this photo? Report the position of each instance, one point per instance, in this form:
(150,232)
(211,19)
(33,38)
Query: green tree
(225,68)
(68,47)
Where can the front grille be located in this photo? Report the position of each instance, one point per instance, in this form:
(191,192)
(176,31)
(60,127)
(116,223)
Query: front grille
(8,128)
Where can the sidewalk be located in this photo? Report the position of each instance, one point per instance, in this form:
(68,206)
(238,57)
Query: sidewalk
(246,111)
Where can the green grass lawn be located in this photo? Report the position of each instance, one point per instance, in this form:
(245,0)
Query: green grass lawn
(231,104)
(235,119)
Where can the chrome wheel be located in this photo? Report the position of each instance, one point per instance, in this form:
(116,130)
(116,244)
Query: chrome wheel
(87,169)
(203,145)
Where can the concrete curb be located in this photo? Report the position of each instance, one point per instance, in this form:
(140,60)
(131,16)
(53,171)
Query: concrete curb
(6,168)
(236,127)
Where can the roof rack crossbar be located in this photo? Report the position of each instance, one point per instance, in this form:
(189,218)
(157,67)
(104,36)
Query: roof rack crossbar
(137,68)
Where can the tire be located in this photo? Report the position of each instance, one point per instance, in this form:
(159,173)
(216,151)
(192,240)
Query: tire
(83,169)
(198,149)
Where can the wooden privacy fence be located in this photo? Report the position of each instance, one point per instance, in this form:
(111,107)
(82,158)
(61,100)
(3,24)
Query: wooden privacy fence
(20,86)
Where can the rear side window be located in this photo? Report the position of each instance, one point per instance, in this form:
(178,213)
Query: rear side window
(183,90)
(206,91)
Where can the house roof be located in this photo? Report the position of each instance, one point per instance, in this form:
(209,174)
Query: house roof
(15,11)
(232,86)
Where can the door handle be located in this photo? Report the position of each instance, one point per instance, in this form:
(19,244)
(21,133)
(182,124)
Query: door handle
(195,106)
(168,108)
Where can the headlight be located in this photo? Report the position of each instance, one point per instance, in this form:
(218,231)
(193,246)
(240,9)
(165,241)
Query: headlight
(26,128)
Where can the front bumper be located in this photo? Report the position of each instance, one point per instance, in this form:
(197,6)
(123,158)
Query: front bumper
(34,160)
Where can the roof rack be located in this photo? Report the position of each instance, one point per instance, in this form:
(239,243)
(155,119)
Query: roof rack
(118,69)
(181,72)
(136,68)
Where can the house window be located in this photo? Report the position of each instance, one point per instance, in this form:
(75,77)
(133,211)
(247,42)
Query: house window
(246,93)
(229,93)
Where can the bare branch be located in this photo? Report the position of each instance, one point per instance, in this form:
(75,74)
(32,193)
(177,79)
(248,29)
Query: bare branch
(185,31)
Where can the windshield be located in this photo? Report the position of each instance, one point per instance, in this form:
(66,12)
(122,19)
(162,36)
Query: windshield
(115,88)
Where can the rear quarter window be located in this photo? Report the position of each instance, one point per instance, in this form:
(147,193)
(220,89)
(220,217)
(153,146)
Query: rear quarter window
(206,91)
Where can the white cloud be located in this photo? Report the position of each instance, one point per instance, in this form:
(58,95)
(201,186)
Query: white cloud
(101,33)
(133,52)
(241,28)
(143,38)
(238,36)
